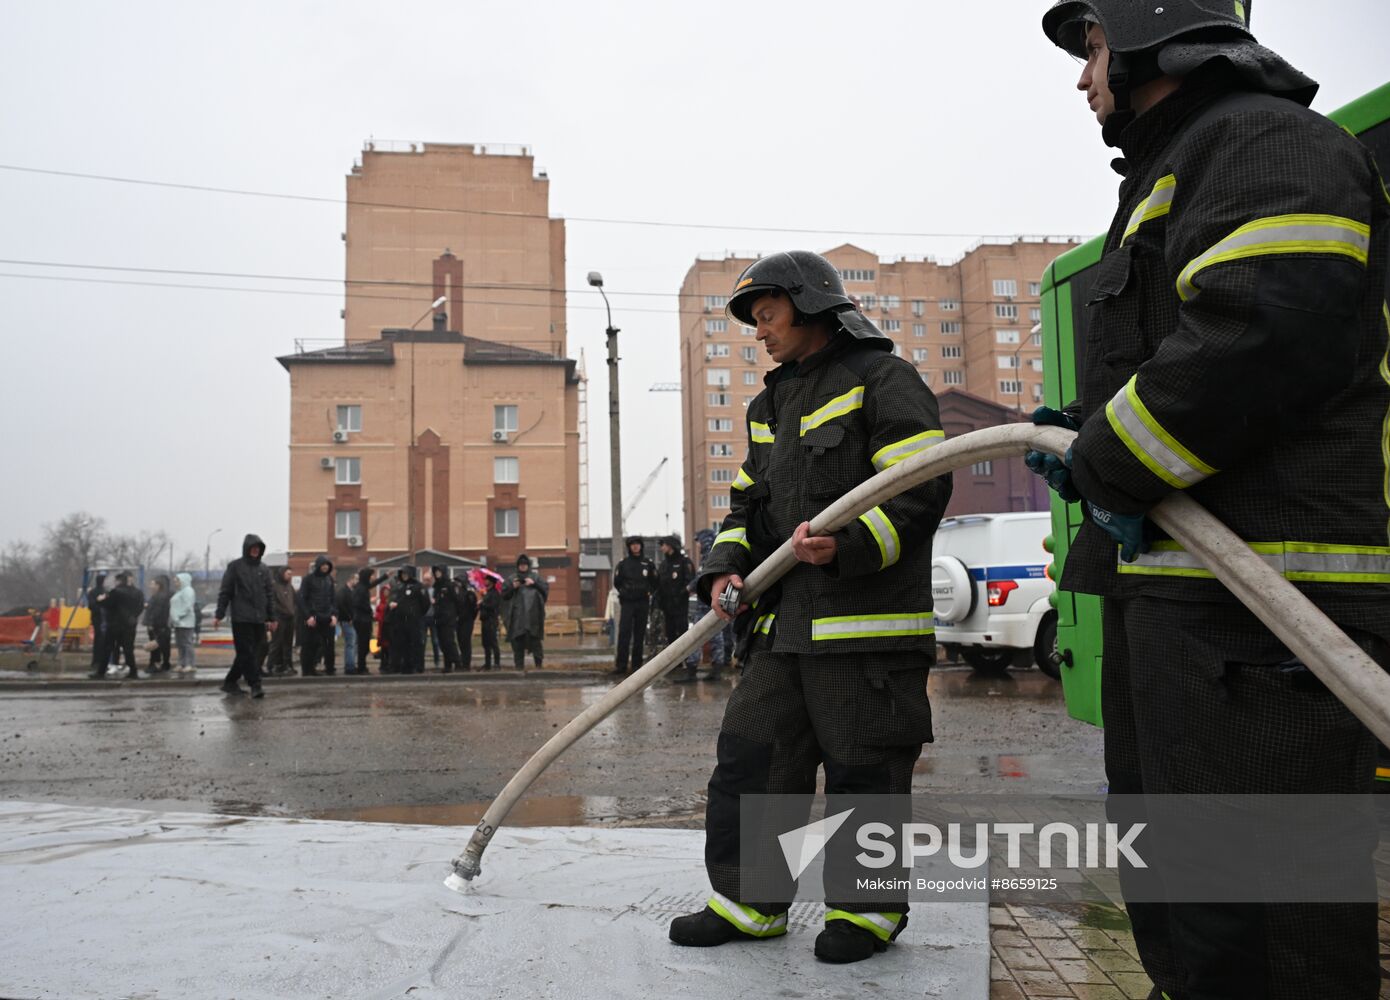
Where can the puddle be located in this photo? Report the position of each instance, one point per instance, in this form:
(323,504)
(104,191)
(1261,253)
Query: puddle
(552,810)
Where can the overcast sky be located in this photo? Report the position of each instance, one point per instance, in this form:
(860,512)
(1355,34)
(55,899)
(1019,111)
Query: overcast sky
(160,407)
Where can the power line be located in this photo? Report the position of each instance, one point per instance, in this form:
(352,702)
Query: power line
(593,220)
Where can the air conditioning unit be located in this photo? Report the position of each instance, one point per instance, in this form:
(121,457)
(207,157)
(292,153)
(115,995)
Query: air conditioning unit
(328,462)
(340,436)
(500,437)
(354,541)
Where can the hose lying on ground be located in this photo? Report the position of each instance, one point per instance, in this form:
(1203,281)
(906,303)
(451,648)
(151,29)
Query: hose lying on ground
(1337,661)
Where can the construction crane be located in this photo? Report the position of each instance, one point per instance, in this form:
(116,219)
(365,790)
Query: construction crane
(642,490)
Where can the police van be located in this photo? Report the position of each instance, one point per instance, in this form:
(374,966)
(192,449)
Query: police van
(990,592)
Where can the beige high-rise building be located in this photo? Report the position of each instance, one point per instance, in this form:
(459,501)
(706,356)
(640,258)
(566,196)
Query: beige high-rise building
(965,325)
(449,430)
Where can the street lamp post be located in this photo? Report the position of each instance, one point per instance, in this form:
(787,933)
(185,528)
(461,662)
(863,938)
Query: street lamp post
(614,439)
(409,471)
(207,556)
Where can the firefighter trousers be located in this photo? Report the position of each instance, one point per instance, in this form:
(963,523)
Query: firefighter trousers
(863,717)
(1202,699)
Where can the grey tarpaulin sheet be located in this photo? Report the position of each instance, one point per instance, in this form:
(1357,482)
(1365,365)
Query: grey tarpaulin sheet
(124,903)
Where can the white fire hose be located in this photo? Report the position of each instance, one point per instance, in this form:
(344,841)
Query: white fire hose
(1338,662)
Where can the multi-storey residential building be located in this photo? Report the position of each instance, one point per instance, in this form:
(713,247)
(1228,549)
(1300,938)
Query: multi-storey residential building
(459,439)
(965,325)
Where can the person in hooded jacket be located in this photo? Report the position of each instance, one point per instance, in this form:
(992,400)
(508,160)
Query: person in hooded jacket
(467,602)
(635,582)
(446,617)
(157,625)
(524,597)
(318,603)
(489,611)
(361,615)
(182,604)
(409,602)
(673,579)
(245,594)
(101,646)
(124,605)
(280,659)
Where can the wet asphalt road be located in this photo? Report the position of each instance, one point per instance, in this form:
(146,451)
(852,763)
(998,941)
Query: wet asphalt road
(437,750)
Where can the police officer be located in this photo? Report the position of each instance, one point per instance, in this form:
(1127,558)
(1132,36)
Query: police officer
(1236,323)
(635,582)
(409,602)
(673,578)
(838,671)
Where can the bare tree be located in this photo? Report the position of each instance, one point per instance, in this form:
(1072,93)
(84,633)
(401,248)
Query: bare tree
(70,546)
(22,577)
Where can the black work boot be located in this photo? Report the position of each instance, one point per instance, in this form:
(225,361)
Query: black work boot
(842,941)
(706,929)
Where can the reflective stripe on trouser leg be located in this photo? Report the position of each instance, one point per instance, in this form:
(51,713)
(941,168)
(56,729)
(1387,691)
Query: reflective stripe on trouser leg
(747,919)
(880,925)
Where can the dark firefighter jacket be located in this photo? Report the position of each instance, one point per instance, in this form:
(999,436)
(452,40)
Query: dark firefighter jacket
(635,579)
(1237,349)
(318,598)
(817,430)
(673,580)
(246,587)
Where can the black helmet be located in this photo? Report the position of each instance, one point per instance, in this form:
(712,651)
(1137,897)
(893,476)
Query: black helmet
(1131,26)
(813,285)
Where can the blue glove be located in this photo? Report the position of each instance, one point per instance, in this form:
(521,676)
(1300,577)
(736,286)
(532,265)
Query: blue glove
(1056,471)
(1130,530)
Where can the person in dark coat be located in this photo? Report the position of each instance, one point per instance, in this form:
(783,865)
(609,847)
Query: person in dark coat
(408,606)
(318,603)
(245,595)
(635,581)
(489,610)
(524,597)
(101,645)
(157,625)
(467,602)
(362,619)
(673,593)
(446,617)
(124,605)
(280,659)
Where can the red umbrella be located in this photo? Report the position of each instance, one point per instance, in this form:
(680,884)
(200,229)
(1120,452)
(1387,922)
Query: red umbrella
(478,576)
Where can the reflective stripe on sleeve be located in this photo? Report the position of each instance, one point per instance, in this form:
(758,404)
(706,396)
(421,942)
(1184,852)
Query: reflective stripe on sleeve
(734,535)
(1161,453)
(1159,202)
(760,433)
(1308,562)
(747,919)
(764,624)
(1281,234)
(880,925)
(881,527)
(890,455)
(905,624)
(743,481)
(837,407)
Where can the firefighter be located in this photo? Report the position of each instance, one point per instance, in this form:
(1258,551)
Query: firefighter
(635,582)
(1236,324)
(673,594)
(838,669)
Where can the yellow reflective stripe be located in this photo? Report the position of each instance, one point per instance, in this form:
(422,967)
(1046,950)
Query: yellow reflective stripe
(747,919)
(1281,234)
(760,433)
(1161,453)
(1307,562)
(764,624)
(880,925)
(907,623)
(1159,202)
(738,535)
(743,481)
(880,525)
(890,455)
(837,407)
(1383,774)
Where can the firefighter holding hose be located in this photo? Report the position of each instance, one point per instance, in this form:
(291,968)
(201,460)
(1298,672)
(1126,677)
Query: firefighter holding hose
(1236,349)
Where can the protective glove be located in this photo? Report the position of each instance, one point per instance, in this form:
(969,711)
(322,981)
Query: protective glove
(1130,530)
(1056,471)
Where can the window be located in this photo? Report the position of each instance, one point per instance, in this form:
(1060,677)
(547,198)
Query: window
(721,451)
(1005,312)
(350,418)
(953,377)
(1037,364)
(349,471)
(750,353)
(717,398)
(504,418)
(716,351)
(857,274)
(716,376)
(919,354)
(748,401)
(1035,288)
(1006,336)
(719,501)
(1035,339)
(919,329)
(1037,393)
(982,469)
(892,326)
(868,301)
(716,326)
(716,301)
(750,378)
(949,305)
(1010,387)
(721,424)
(952,351)
(722,475)
(1005,287)
(506,522)
(1008,361)
(950,326)
(919,307)
(506,470)
(926,378)
(897,350)
(716,525)
(1035,315)
(347,523)
(892,302)
(748,331)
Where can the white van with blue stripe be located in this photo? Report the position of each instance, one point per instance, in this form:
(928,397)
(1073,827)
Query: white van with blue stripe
(990,591)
